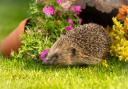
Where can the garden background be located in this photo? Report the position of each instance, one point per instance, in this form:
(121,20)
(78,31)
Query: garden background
(20,74)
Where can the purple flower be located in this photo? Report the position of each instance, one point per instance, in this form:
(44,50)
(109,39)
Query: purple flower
(76,9)
(48,10)
(68,28)
(43,55)
(59,1)
(70,21)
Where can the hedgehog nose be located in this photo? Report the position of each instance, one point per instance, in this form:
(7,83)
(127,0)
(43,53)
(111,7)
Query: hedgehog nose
(51,59)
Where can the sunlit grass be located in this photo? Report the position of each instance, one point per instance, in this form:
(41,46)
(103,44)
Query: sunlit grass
(15,74)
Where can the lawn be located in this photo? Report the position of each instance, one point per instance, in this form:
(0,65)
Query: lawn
(24,74)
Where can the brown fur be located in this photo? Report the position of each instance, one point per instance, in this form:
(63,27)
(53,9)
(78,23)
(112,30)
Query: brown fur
(86,44)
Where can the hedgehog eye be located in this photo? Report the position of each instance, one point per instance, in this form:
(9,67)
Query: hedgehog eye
(73,51)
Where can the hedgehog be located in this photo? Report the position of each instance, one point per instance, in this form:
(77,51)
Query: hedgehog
(85,44)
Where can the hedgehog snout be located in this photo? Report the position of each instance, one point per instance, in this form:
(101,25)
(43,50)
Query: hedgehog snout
(51,59)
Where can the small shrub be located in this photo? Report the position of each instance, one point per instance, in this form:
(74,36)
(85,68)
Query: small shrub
(119,35)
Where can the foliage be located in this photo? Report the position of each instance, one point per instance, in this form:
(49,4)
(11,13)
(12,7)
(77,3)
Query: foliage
(47,21)
(119,36)
(32,44)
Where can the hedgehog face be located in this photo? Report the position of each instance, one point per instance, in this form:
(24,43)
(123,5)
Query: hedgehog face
(64,54)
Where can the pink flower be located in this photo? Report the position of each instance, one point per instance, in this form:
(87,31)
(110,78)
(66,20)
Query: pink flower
(48,10)
(68,28)
(70,21)
(43,55)
(66,4)
(76,9)
(59,1)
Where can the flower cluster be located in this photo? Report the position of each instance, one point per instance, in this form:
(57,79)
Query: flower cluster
(76,9)
(123,14)
(59,1)
(48,10)
(51,11)
(49,18)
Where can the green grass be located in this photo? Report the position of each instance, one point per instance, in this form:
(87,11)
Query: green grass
(15,74)
(24,74)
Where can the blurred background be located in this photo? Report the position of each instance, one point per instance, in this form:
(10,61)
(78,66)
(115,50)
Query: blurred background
(12,12)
